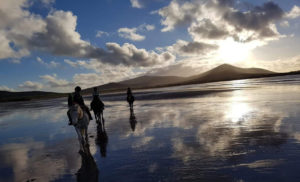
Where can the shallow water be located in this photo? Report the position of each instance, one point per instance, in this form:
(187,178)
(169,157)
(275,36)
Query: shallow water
(245,130)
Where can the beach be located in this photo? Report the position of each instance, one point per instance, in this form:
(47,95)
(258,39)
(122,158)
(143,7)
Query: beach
(243,130)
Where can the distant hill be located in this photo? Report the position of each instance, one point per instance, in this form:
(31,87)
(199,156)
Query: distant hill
(226,72)
(139,83)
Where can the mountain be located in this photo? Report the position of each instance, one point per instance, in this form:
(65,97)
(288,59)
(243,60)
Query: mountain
(221,73)
(226,72)
(152,81)
(139,82)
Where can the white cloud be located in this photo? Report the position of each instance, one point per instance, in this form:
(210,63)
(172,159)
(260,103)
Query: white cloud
(56,34)
(294,13)
(53,81)
(5,88)
(71,63)
(130,33)
(15,61)
(101,34)
(30,85)
(52,64)
(136,4)
(284,24)
(176,14)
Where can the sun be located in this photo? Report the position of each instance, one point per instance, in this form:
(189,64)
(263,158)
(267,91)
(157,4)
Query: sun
(231,51)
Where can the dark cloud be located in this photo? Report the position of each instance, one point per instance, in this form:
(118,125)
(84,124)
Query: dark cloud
(258,19)
(222,18)
(197,48)
(206,29)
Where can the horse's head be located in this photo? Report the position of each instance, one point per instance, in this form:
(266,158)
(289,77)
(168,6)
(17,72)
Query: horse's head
(76,113)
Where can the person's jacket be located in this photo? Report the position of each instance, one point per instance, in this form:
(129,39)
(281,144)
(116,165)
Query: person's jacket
(78,99)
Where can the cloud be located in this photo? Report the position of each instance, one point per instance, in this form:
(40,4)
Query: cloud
(53,81)
(56,34)
(284,24)
(15,61)
(176,14)
(52,64)
(260,20)
(215,19)
(129,55)
(30,85)
(205,29)
(142,3)
(71,63)
(185,48)
(294,13)
(101,33)
(5,88)
(130,33)
(136,4)
(105,73)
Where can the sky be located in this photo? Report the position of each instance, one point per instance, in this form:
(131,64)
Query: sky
(54,45)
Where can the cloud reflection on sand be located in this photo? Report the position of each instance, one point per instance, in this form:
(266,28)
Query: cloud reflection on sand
(34,160)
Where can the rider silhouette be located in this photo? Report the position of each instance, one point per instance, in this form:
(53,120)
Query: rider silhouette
(77,98)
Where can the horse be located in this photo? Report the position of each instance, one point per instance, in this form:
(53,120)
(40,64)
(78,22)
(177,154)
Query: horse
(80,120)
(130,100)
(97,106)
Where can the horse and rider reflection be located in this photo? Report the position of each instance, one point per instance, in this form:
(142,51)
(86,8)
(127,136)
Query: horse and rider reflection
(102,138)
(88,171)
(132,119)
(79,116)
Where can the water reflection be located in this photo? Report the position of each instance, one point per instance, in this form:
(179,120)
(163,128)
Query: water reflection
(132,119)
(88,171)
(102,138)
(33,160)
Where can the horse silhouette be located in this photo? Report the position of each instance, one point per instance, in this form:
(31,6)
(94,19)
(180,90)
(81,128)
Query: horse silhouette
(130,98)
(97,106)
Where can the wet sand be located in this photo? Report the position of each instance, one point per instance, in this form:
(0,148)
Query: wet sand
(226,131)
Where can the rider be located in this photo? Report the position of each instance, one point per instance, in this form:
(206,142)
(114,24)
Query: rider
(130,97)
(77,98)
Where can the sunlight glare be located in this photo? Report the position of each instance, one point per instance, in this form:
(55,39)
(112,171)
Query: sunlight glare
(237,111)
(231,51)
